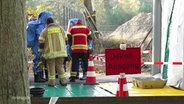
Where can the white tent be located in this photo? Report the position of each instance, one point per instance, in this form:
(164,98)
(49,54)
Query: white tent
(172,40)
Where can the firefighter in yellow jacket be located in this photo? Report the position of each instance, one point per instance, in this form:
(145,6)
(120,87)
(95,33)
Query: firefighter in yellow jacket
(52,47)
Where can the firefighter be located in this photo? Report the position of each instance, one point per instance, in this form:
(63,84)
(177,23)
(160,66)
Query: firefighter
(78,36)
(33,31)
(53,49)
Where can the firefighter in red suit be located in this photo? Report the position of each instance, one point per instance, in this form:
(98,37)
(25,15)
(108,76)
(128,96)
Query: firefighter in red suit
(78,37)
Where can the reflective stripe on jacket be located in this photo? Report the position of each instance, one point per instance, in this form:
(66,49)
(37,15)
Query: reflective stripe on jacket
(53,38)
(79,35)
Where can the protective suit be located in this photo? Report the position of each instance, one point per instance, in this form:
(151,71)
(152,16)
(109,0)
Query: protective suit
(33,30)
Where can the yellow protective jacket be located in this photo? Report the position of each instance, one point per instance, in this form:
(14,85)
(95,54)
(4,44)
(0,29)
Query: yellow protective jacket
(53,37)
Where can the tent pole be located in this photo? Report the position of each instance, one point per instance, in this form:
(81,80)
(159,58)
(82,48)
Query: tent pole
(156,43)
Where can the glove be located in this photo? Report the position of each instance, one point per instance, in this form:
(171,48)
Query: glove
(39,65)
(41,62)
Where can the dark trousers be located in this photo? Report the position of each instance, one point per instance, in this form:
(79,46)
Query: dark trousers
(75,61)
(64,63)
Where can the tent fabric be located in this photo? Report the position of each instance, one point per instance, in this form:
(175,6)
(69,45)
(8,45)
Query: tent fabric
(166,57)
(176,49)
(166,10)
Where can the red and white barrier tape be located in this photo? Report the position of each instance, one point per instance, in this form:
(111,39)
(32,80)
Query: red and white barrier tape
(146,51)
(162,63)
(99,58)
(102,59)
(142,63)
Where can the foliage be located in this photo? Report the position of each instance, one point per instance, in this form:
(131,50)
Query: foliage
(109,13)
(100,13)
(117,12)
(146,6)
(58,6)
(129,5)
(119,16)
(36,10)
(34,7)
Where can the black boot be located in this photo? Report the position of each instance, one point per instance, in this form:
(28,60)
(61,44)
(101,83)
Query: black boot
(56,76)
(45,70)
(77,76)
(38,79)
(72,79)
(41,74)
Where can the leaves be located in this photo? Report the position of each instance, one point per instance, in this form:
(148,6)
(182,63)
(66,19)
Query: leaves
(109,13)
(36,10)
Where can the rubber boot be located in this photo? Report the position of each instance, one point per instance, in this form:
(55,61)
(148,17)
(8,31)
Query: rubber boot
(56,76)
(41,74)
(63,81)
(72,78)
(77,76)
(45,70)
(51,82)
(38,79)
(84,76)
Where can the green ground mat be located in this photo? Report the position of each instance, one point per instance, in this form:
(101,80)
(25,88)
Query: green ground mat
(73,90)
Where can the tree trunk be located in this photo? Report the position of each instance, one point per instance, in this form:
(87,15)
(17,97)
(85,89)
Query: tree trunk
(14,85)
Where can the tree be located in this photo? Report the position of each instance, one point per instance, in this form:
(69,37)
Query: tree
(14,85)
(34,11)
(58,8)
(146,6)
